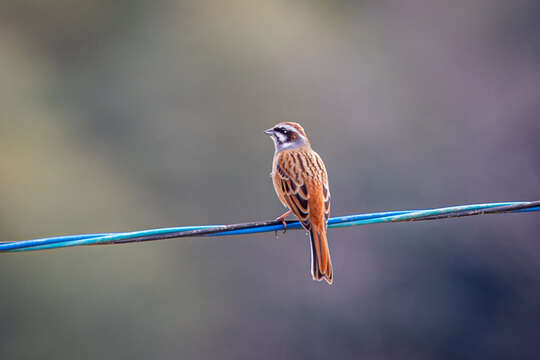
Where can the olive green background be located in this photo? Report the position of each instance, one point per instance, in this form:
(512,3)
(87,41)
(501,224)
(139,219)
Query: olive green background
(126,115)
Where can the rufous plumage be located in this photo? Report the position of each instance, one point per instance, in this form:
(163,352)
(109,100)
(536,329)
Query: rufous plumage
(301,184)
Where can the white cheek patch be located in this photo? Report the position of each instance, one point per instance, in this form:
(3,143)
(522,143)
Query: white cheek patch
(281,138)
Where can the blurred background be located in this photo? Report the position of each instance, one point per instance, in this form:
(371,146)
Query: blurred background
(126,115)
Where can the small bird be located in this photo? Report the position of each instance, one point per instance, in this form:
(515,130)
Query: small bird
(301,184)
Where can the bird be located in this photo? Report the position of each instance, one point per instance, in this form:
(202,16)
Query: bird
(301,184)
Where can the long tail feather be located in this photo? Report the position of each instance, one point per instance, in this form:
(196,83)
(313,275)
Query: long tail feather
(321,264)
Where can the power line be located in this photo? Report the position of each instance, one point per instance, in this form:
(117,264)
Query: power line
(266,226)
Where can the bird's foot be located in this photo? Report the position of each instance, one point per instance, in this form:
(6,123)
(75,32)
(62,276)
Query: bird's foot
(282,219)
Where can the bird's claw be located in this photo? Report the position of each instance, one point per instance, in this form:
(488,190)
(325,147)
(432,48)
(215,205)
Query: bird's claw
(282,219)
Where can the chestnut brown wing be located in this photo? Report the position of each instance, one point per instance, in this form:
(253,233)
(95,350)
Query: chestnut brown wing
(301,176)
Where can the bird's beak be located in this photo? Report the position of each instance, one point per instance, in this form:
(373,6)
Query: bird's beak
(269,131)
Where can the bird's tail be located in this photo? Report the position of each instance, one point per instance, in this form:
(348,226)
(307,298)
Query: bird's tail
(321,264)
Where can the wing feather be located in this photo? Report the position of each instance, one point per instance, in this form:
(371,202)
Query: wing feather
(302,184)
(299,173)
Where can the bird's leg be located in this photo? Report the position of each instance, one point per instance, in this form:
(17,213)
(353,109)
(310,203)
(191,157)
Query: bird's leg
(282,219)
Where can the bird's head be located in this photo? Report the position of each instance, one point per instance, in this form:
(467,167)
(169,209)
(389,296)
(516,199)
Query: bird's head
(287,136)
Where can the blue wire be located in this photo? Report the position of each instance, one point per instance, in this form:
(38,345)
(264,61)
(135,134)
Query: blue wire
(87,239)
(74,240)
(335,222)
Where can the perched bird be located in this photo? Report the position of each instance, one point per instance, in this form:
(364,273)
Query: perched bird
(301,184)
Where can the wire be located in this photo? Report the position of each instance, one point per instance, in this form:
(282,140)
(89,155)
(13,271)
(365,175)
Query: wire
(266,226)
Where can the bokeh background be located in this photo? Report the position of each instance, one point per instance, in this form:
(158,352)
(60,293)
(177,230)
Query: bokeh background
(120,115)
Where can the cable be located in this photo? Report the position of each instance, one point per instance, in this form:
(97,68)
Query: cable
(266,226)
